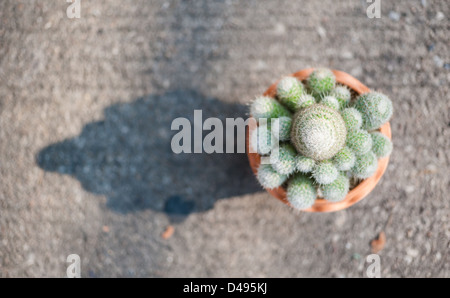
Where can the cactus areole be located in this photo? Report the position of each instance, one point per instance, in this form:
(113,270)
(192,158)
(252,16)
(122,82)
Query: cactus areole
(318,132)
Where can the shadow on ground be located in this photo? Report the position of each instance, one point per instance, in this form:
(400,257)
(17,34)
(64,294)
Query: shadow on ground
(128,158)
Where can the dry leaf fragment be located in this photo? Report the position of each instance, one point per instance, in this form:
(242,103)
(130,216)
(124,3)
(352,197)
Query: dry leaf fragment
(168,232)
(378,244)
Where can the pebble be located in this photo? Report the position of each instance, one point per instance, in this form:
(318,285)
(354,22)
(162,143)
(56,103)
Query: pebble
(440,16)
(322,32)
(394,16)
(438,61)
(413,253)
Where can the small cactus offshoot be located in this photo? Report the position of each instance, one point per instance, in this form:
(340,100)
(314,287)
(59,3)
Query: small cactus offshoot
(375,109)
(330,101)
(269,178)
(321,81)
(336,191)
(283,159)
(304,164)
(359,141)
(365,165)
(343,96)
(381,145)
(344,160)
(261,140)
(328,137)
(267,107)
(283,131)
(301,192)
(289,90)
(352,118)
(325,172)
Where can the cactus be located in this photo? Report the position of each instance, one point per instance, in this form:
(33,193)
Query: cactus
(289,90)
(305,100)
(284,128)
(336,191)
(283,159)
(381,145)
(365,165)
(269,178)
(325,172)
(359,141)
(344,160)
(352,118)
(267,107)
(375,109)
(321,81)
(261,139)
(328,141)
(318,132)
(343,96)
(304,164)
(301,192)
(330,101)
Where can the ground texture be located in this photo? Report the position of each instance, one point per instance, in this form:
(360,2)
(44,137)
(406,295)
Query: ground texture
(85,163)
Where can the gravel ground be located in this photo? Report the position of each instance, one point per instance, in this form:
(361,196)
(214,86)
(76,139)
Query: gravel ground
(85,162)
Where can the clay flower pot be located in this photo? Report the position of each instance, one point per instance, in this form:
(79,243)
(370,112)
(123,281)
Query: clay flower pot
(361,190)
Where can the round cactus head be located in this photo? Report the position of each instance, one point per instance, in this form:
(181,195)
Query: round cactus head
(304,164)
(289,90)
(268,108)
(359,141)
(375,109)
(283,130)
(283,159)
(381,145)
(330,101)
(305,100)
(365,165)
(325,172)
(321,81)
(269,178)
(261,139)
(318,132)
(343,96)
(344,160)
(301,192)
(352,118)
(336,191)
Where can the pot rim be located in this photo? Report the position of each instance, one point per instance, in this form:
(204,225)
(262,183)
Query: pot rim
(363,188)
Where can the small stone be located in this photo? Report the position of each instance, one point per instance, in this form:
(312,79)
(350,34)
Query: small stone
(440,16)
(424,3)
(413,253)
(322,32)
(394,16)
(409,189)
(438,61)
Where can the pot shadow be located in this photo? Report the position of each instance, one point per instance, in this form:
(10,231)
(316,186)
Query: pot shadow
(128,157)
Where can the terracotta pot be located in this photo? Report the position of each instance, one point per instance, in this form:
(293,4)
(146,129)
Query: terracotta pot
(360,191)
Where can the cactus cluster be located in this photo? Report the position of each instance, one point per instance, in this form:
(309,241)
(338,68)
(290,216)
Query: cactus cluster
(327,137)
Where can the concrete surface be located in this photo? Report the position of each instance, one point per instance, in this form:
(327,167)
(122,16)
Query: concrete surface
(85,161)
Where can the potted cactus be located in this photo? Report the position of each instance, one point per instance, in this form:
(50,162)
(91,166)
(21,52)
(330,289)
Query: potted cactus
(333,137)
